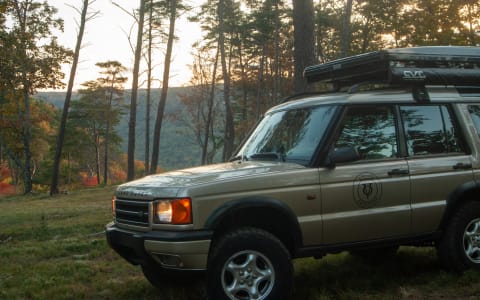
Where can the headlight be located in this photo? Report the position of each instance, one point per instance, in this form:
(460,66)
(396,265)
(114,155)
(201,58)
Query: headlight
(174,211)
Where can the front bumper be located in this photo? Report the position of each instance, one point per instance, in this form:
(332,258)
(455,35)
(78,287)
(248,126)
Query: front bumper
(186,250)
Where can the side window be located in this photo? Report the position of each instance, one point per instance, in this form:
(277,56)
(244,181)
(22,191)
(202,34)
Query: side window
(474,111)
(370,129)
(430,129)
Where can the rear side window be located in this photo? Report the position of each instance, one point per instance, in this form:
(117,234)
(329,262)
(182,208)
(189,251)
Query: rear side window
(430,130)
(474,111)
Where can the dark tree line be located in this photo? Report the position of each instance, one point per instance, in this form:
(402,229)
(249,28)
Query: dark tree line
(250,55)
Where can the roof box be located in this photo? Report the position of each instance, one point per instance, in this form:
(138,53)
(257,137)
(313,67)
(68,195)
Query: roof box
(435,65)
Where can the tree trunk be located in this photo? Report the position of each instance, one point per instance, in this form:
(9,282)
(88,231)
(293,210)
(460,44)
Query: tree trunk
(304,51)
(260,106)
(1,117)
(25,115)
(346,33)
(27,136)
(366,33)
(276,76)
(133,104)
(66,105)
(149,90)
(243,72)
(97,155)
(209,122)
(164,93)
(470,26)
(107,134)
(229,136)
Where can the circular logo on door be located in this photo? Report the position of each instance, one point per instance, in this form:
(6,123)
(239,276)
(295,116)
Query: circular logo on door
(367,190)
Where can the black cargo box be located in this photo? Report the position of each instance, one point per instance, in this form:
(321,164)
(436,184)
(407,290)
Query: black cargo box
(435,65)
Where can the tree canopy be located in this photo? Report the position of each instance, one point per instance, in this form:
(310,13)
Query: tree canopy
(250,55)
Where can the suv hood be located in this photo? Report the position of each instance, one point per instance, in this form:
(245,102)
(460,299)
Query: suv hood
(170,183)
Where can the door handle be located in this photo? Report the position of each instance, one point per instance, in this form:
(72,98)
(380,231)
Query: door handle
(397,172)
(462,166)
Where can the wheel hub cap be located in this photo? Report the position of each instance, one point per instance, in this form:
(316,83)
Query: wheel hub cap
(471,241)
(248,275)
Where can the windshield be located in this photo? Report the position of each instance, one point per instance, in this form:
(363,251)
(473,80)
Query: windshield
(290,135)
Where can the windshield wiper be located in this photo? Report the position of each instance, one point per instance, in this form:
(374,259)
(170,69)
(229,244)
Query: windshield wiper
(268,156)
(240,157)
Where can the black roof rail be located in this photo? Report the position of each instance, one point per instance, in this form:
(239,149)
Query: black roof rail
(420,94)
(468,91)
(369,85)
(434,65)
(419,91)
(300,95)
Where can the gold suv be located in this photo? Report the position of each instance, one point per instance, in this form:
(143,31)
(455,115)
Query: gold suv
(390,157)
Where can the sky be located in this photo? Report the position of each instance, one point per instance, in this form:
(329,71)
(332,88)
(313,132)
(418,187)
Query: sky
(106,38)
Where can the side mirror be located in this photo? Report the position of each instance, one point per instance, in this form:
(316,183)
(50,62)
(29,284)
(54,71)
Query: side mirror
(342,155)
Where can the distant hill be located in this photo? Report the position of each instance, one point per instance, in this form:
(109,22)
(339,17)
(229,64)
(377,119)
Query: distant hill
(177,146)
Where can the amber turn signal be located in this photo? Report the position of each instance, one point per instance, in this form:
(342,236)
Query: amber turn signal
(175,211)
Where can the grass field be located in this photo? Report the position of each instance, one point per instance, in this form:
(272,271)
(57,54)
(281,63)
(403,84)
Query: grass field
(55,248)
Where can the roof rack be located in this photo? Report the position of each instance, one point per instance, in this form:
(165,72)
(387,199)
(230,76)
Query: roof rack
(434,65)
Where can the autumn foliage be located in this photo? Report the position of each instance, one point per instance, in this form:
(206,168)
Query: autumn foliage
(6,186)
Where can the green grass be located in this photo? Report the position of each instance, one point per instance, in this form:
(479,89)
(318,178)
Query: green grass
(55,248)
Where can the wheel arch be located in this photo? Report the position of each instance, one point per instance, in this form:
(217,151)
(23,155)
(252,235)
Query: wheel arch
(468,191)
(265,213)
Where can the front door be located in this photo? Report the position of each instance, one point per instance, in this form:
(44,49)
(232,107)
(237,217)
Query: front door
(370,198)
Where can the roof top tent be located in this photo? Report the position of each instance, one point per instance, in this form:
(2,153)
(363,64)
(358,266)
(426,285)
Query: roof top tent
(435,65)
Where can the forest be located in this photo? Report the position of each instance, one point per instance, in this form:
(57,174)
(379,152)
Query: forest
(250,56)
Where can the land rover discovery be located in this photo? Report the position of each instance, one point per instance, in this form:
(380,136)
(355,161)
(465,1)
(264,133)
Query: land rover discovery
(390,157)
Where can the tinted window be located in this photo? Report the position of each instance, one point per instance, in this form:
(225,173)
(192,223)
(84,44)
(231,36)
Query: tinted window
(475,114)
(291,135)
(370,129)
(429,130)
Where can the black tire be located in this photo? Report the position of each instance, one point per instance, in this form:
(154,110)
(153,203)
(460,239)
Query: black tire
(249,263)
(459,248)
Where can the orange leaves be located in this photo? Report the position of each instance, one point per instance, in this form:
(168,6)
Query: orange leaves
(6,186)
(117,174)
(88,180)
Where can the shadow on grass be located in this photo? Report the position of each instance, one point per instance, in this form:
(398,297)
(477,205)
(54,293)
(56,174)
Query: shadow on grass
(141,291)
(413,273)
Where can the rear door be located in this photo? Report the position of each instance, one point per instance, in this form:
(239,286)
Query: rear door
(370,198)
(473,123)
(438,161)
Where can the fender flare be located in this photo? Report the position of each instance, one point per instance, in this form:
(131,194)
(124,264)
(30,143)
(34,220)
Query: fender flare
(289,219)
(467,191)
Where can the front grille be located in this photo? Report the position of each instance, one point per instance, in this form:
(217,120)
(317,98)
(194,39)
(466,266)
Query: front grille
(132,212)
